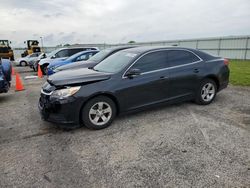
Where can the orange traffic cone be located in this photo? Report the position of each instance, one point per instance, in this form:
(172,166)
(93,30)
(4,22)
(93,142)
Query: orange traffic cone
(13,71)
(19,84)
(39,72)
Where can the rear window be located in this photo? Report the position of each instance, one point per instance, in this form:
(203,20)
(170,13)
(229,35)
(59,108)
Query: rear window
(100,55)
(181,57)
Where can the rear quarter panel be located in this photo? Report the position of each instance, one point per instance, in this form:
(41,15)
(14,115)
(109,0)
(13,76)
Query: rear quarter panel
(216,68)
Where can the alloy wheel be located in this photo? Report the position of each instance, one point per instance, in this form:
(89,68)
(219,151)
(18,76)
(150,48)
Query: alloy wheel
(100,113)
(208,92)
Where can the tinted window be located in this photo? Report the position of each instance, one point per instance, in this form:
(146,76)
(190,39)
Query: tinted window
(152,61)
(181,57)
(74,51)
(62,53)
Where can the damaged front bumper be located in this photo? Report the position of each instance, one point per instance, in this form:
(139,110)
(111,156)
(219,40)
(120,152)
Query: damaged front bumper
(65,111)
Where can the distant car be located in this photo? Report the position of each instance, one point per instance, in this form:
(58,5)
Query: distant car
(80,56)
(24,61)
(5,75)
(93,61)
(130,80)
(34,63)
(62,54)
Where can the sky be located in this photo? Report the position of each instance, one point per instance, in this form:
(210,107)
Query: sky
(120,21)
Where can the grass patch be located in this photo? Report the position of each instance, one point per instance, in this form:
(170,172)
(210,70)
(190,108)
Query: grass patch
(240,72)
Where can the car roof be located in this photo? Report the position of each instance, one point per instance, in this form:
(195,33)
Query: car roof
(120,47)
(143,49)
(77,48)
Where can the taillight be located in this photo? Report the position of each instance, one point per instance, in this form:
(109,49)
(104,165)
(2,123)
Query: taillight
(226,62)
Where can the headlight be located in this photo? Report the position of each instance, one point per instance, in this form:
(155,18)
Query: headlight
(64,93)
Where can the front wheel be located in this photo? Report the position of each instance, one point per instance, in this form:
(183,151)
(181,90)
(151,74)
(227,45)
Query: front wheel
(23,63)
(44,68)
(98,113)
(206,92)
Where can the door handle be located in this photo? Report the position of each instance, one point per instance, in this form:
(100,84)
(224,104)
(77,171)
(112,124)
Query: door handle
(163,77)
(196,71)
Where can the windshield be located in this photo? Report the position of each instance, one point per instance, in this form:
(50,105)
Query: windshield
(115,62)
(100,55)
(53,53)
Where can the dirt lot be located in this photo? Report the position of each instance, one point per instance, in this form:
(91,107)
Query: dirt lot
(183,145)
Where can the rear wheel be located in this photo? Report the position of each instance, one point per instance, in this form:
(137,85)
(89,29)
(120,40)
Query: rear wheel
(98,113)
(206,92)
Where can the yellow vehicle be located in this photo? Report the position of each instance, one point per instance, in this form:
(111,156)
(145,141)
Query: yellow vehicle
(5,50)
(32,47)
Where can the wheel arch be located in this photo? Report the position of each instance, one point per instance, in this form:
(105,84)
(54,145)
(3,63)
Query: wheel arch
(215,79)
(109,95)
(23,61)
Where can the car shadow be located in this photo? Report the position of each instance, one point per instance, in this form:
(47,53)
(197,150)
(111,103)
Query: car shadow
(5,97)
(55,128)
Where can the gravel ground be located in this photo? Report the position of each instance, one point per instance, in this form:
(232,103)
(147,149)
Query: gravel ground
(182,145)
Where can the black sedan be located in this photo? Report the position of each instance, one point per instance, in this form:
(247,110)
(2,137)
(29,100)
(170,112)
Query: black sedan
(93,61)
(130,80)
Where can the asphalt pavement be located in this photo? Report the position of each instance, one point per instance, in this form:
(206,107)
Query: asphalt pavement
(181,145)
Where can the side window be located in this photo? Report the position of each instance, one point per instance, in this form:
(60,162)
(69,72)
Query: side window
(82,57)
(181,57)
(62,53)
(74,51)
(152,61)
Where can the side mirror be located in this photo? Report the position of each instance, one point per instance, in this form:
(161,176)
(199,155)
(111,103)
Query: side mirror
(53,57)
(133,73)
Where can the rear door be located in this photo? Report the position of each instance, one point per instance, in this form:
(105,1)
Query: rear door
(185,70)
(149,87)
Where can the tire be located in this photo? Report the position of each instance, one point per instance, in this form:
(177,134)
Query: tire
(93,117)
(43,68)
(206,92)
(35,67)
(23,63)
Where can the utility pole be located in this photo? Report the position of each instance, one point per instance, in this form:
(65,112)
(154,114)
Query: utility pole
(42,43)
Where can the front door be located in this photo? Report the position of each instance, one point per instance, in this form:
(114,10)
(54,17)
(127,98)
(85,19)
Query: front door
(150,86)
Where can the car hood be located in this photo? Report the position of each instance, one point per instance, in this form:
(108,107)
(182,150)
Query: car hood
(48,60)
(77,76)
(76,65)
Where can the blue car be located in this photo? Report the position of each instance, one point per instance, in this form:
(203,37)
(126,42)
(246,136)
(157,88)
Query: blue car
(5,75)
(80,56)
